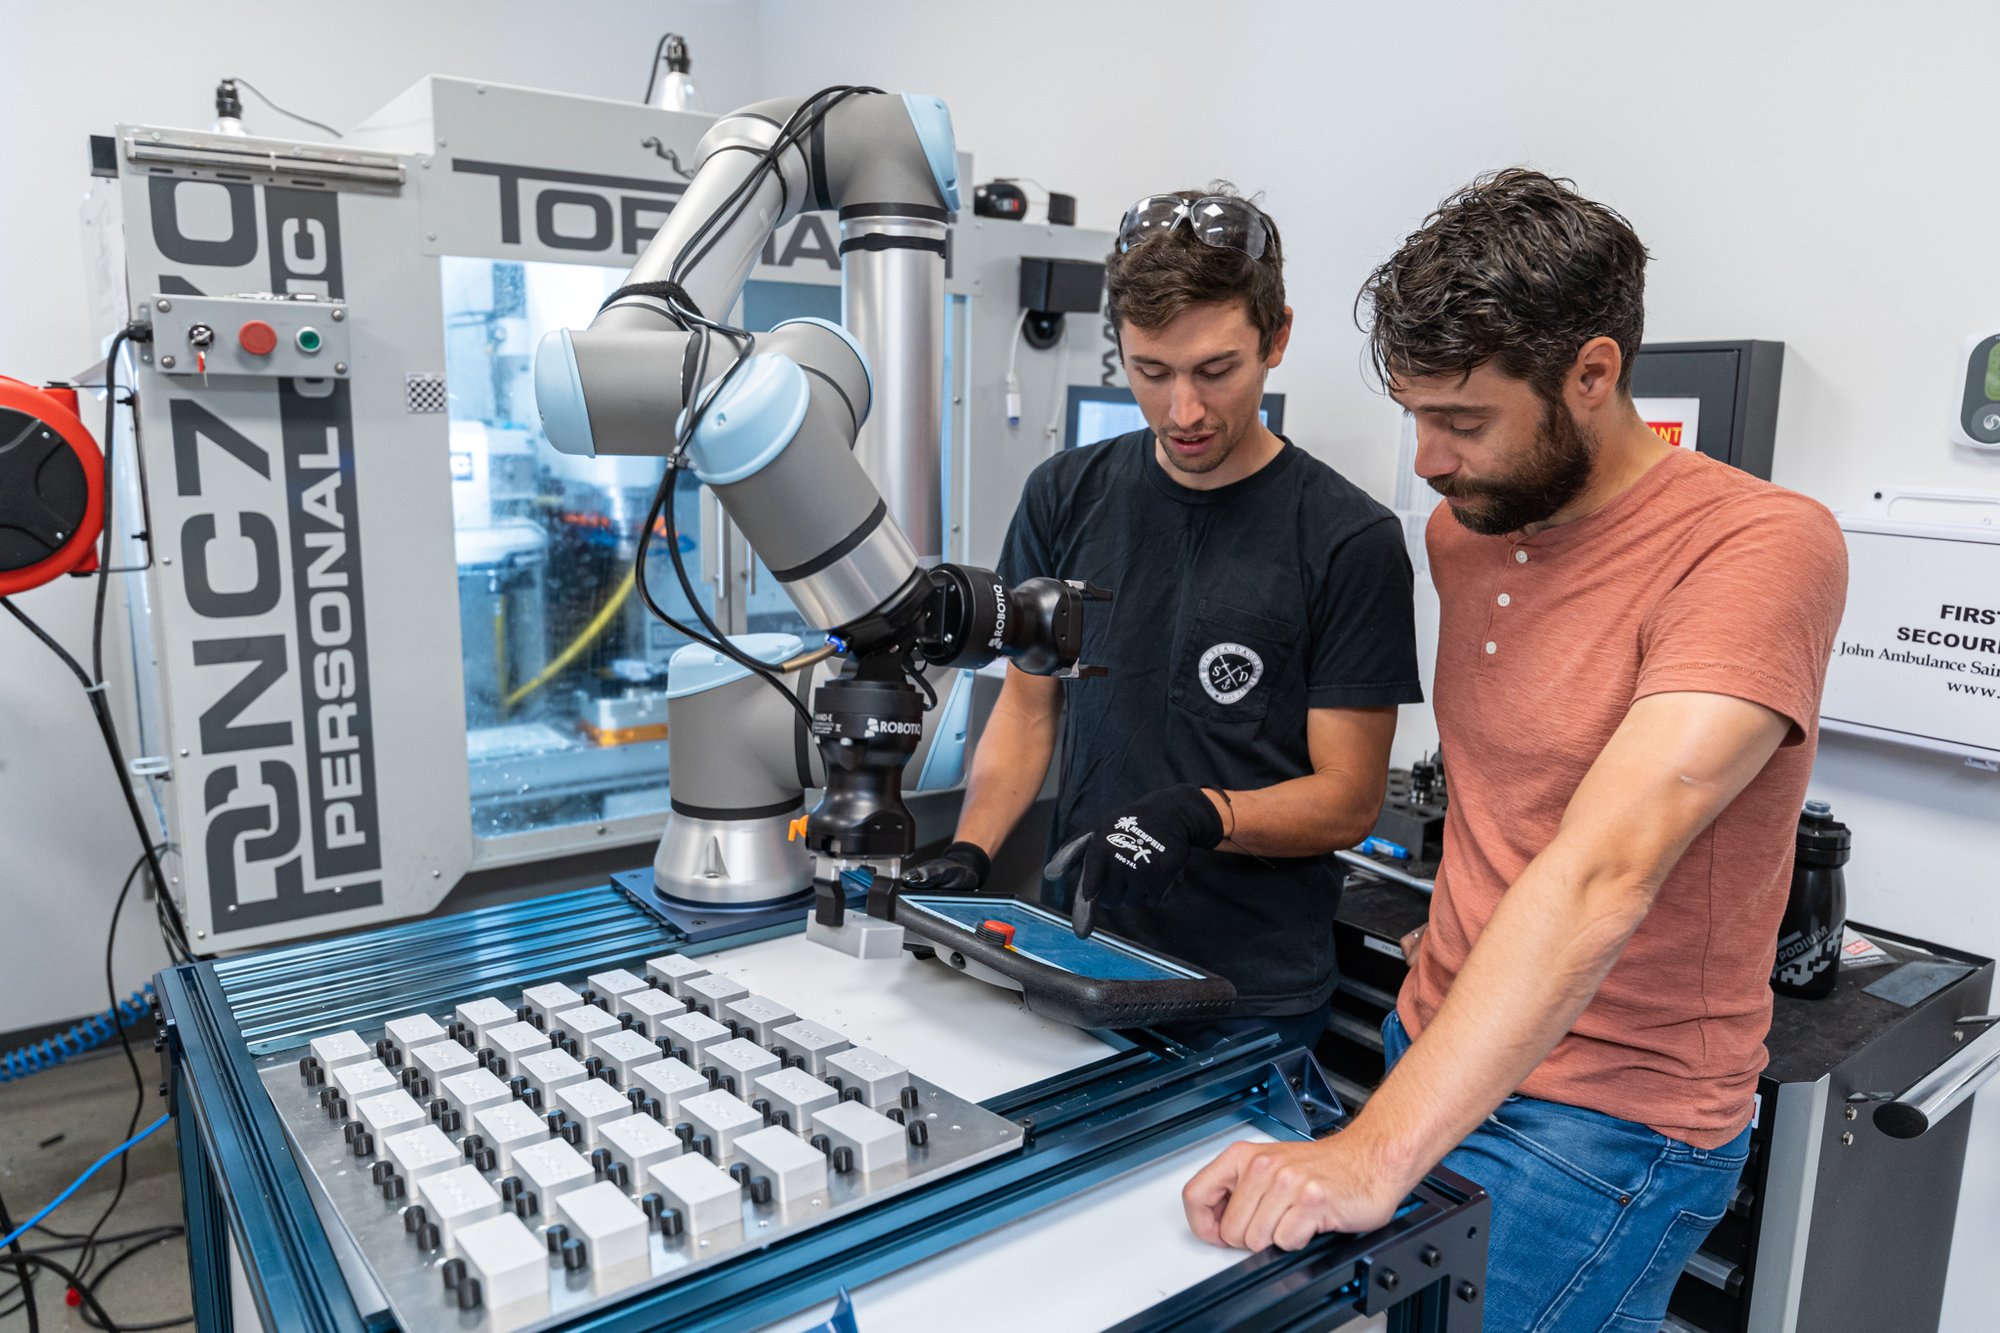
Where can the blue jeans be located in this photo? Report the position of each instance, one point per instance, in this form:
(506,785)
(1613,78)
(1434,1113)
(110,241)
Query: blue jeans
(1593,1217)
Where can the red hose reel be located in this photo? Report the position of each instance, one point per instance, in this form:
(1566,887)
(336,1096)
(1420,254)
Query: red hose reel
(51,487)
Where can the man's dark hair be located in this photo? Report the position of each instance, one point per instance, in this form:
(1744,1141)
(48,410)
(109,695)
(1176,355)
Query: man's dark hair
(1152,283)
(1516,268)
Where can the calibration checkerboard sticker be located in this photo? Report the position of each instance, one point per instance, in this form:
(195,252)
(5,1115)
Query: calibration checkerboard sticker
(425,393)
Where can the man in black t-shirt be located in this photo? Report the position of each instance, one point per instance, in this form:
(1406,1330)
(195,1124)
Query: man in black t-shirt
(1259,640)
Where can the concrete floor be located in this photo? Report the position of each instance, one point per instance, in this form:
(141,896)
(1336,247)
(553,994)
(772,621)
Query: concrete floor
(88,1102)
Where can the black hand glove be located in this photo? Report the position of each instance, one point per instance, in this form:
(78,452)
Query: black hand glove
(1137,855)
(962,868)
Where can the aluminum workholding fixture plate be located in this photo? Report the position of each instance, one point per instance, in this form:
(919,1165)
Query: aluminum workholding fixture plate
(500,1218)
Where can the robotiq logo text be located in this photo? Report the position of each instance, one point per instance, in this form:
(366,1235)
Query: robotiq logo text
(291,818)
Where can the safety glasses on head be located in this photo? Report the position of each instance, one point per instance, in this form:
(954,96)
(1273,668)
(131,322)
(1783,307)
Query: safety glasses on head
(1220,220)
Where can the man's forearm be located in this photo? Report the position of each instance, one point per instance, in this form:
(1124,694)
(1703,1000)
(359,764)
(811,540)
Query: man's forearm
(1557,932)
(1009,766)
(1308,816)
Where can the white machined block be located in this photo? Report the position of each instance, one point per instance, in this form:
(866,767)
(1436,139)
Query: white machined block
(875,1139)
(551,1071)
(457,1198)
(341,1048)
(880,1079)
(757,1018)
(674,971)
(738,1063)
(582,1024)
(415,1030)
(707,1198)
(483,1015)
(710,993)
(510,1042)
(544,1002)
(612,985)
(422,1152)
(387,1112)
(510,1262)
(808,1041)
(794,1168)
(508,1129)
(591,1103)
(639,1141)
(475,1090)
(611,1227)
(650,1009)
(723,1117)
(670,1081)
(551,1169)
(694,1034)
(624,1051)
(441,1059)
(363,1078)
(794,1095)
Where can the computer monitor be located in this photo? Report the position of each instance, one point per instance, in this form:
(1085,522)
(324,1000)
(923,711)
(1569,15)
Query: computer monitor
(1100,413)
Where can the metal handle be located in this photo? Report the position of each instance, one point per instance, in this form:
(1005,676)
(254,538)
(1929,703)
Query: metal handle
(710,524)
(1374,867)
(1938,1093)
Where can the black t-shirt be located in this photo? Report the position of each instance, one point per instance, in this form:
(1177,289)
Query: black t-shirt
(1234,611)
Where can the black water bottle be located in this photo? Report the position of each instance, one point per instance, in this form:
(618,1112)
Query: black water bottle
(1809,938)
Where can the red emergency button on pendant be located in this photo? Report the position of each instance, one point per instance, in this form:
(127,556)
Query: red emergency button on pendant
(257,338)
(1000,932)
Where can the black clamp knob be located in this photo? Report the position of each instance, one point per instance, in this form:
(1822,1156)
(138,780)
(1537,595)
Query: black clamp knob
(526,1204)
(651,1106)
(653,1205)
(589,996)
(452,1120)
(712,1074)
(394,1188)
(429,1237)
(518,1085)
(469,1294)
(850,1094)
(307,1063)
(364,1144)
(843,1159)
(920,1133)
(626,1022)
(414,1218)
(821,1142)
(620,1175)
(593,1066)
(671,1223)
(381,1171)
(556,1235)
(762,1106)
(600,1161)
(471,1145)
(574,1256)
(895,1113)
(760,1189)
(572,1133)
(740,1173)
(908,1096)
(700,1143)
(509,1187)
(454,1273)
(555,1120)
(685,1133)
(486,1159)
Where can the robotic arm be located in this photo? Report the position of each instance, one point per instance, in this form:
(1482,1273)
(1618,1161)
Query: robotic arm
(787,427)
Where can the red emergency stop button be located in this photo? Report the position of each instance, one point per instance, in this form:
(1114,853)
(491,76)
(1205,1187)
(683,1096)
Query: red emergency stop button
(257,338)
(1000,932)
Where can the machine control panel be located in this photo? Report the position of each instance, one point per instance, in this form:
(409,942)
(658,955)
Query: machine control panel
(292,337)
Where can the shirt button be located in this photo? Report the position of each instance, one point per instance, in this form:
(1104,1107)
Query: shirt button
(1492,647)
(1505,600)
(1520,557)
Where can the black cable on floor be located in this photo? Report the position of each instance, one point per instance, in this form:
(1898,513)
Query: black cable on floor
(22,1260)
(137,1328)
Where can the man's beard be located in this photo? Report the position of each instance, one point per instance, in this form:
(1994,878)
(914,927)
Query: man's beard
(1554,473)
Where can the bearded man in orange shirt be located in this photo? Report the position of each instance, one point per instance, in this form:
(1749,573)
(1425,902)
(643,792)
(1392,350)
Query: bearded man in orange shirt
(1632,645)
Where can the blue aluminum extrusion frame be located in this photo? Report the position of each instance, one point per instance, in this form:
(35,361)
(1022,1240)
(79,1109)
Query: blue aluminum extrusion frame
(1084,1127)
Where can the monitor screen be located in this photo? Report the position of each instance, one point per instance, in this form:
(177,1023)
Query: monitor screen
(1101,413)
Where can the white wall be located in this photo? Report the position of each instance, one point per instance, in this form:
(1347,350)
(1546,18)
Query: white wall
(65,841)
(1815,173)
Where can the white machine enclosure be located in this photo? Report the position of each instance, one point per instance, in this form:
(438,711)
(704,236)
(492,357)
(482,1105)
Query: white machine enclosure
(297,666)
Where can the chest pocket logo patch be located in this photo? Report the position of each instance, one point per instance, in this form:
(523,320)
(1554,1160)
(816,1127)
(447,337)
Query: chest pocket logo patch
(1229,671)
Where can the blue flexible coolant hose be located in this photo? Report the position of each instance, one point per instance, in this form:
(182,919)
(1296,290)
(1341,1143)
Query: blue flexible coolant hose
(87,1035)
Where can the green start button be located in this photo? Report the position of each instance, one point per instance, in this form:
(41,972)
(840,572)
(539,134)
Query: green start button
(308,340)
